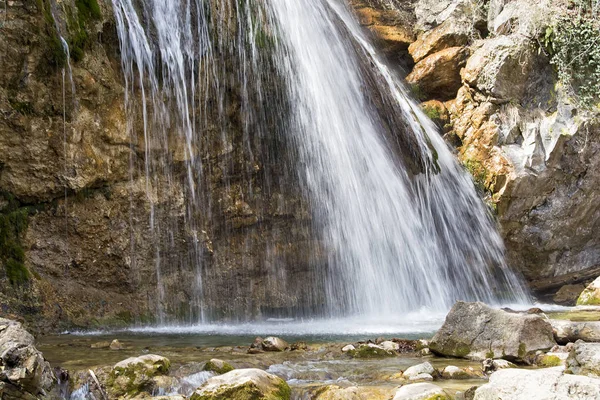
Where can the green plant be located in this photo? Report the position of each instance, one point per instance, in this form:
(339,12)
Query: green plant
(13,223)
(573,45)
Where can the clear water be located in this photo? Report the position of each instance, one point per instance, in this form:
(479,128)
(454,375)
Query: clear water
(401,224)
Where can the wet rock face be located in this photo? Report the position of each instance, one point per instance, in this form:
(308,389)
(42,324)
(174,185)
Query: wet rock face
(476,331)
(24,374)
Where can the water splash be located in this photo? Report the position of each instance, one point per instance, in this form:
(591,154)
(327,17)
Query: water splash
(400,221)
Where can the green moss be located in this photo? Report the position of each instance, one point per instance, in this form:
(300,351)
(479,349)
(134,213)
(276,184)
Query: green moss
(248,391)
(22,107)
(369,352)
(88,9)
(550,361)
(478,172)
(214,367)
(13,224)
(522,350)
(432,112)
(489,354)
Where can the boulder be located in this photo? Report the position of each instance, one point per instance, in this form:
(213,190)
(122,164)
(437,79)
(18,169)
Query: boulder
(116,345)
(438,75)
(218,366)
(389,345)
(273,343)
(591,295)
(24,373)
(451,33)
(477,331)
(549,383)
(420,371)
(567,295)
(348,348)
(370,350)
(488,365)
(243,384)
(334,392)
(571,331)
(500,68)
(135,375)
(431,13)
(421,391)
(584,359)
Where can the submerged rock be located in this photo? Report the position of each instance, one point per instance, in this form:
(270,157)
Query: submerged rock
(549,383)
(250,383)
(477,331)
(591,294)
(218,366)
(421,391)
(24,373)
(116,345)
(584,359)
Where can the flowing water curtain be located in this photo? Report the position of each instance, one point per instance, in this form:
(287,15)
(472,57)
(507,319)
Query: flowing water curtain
(400,222)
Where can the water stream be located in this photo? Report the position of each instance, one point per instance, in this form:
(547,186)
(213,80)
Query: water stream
(401,224)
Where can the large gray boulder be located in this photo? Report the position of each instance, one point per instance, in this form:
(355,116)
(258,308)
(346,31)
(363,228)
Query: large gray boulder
(249,383)
(24,373)
(545,384)
(421,391)
(584,359)
(572,331)
(477,331)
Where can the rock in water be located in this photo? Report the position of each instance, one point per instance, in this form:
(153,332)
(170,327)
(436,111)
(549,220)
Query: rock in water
(549,383)
(424,371)
(135,375)
(591,295)
(24,373)
(421,391)
(477,331)
(274,344)
(584,359)
(218,366)
(572,331)
(567,295)
(250,383)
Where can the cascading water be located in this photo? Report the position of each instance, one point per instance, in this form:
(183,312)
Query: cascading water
(399,220)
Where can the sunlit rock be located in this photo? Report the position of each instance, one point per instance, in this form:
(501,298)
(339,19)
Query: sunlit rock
(567,295)
(274,344)
(571,331)
(549,383)
(421,391)
(451,33)
(590,295)
(244,384)
(136,375)
(453,372)
(218,366)
(477,331)
(584,359)
(424,371)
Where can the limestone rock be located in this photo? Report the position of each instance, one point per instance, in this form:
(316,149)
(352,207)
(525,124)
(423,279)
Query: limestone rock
(501,67)
(243,383)
(451,33)
(438,75)
(453,372)
(421,391)
(476,331)
(549,383)
(488,365)
(116,345)
(431,13)
(389,345)
(370,350)
(218,366)
(584,359)
(24,373)
(348,348)
(571,331)
(337,393)
(136,375)
(591,295)
(419,371)
(567,295)
(274,344)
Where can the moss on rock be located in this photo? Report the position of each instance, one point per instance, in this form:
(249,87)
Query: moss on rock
(369,352)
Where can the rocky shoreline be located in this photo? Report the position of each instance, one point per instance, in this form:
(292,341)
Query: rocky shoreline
(479,353)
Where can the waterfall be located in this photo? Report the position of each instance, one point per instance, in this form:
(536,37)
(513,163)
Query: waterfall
(399,221)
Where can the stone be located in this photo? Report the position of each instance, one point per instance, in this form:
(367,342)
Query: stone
(24,373)
(567,295)
(370,350)
(551,359)
(451,33)
(100,345)
(272,343)
(243,384)
(135,375)
(591,294)
(389,345)
(453,372)
(348,348)
(488,365)
(438,75)
(431,13)
(334,392)
(477,331)
(571,331)
(418,370)
(500,68)
(218,366)
(584,359)
(421,391)
(549,383)
(437,112)
(116,345)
